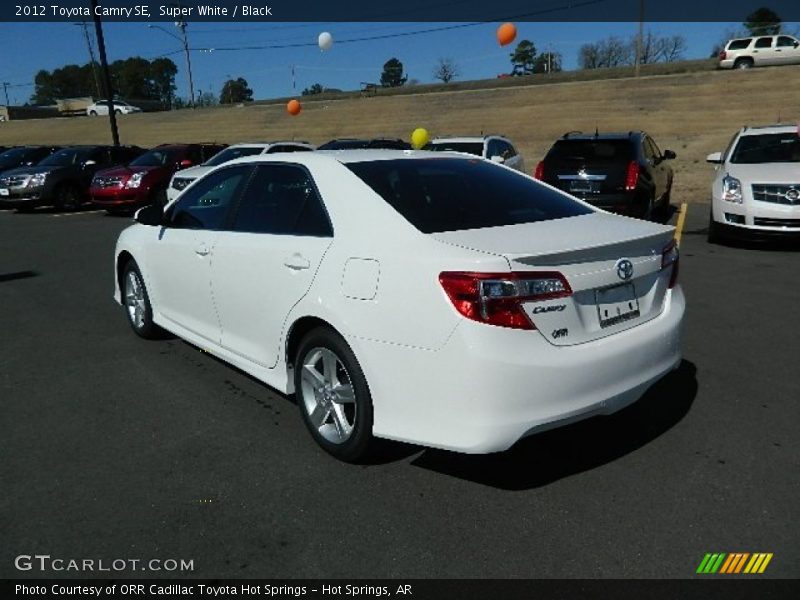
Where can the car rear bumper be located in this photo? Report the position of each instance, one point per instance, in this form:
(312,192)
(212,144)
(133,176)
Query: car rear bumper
(490,386)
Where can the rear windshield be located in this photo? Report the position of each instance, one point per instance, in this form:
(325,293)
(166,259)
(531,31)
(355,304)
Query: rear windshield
(454,194)
(592,150)
(768,148)
(475,148)
(739,44)
(231,154)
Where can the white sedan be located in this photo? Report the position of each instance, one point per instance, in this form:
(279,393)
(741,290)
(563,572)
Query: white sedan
(120,107)
(425,297)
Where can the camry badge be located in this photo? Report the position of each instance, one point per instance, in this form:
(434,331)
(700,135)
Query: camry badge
(624,269)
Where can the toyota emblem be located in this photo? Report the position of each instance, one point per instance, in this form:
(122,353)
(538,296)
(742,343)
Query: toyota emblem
(793,195)
(624,269)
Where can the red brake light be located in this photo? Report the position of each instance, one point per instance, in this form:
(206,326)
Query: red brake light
(496,298)
(723,55)
(538,173)
(670,256)
(632,176)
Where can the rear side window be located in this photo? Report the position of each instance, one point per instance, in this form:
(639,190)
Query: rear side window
(739,44)
(598,150)
(282,200)
(767,148)
(455,194)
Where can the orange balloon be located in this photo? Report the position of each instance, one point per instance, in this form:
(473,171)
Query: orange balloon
(506,33)
(293,108)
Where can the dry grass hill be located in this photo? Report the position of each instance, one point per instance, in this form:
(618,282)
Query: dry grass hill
(691,113)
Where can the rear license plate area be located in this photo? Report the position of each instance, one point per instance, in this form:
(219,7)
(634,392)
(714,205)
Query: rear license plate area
(617,304)
(579,186)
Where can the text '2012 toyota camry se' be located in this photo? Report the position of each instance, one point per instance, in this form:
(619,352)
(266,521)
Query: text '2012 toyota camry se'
(424,297)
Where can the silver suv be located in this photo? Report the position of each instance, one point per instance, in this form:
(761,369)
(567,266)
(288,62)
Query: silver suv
(760,51)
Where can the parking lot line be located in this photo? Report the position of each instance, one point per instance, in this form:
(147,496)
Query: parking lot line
(77,214)
(681,220)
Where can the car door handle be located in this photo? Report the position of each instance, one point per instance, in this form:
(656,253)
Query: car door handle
(202,250)
(296,262)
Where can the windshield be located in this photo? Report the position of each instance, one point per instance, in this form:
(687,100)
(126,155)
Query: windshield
(156,158)
(64,158)
(231,154)
(475,148)
(767,148)
(10,157)
(597,150)
(454,194)
(345,145)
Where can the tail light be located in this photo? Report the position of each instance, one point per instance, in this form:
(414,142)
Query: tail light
(538,173)
(632,176)
(496,298)
(670,257)
(723,55)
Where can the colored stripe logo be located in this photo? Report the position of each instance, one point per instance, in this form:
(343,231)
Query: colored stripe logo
(734,563)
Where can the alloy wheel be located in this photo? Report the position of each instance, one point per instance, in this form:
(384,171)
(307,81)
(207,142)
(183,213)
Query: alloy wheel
(327,395)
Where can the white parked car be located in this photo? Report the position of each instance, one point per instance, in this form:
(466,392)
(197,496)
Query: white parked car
(496,148)
(756,191)
(181,180)
(762,51)
(424,297)
(120,107)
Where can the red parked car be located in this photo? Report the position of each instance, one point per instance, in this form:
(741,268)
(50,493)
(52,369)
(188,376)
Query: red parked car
(144,181)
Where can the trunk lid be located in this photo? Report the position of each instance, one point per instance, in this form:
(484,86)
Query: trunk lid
(596,254)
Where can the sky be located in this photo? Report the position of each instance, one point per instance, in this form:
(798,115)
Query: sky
(29,47)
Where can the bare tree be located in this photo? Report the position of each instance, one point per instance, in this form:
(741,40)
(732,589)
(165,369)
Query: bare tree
(446,70)
(615,52)
(589,57)
(672,48)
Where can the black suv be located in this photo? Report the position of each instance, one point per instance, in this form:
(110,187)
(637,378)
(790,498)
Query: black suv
(624,173)
(24,156)
(63,178)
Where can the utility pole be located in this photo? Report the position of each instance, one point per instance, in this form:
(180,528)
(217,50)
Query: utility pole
(182,26)
(91,57)
(640,38)
(101,47)
(5,90)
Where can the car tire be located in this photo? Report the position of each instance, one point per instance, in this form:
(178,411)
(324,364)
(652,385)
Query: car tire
(92,113)
(714,229)
(68,197)
(333,395)
(743,63)
(136,301)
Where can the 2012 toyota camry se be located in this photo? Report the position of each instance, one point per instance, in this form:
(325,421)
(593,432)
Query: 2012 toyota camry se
(431,298)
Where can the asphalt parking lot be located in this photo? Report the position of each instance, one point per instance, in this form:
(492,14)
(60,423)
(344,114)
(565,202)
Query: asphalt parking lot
(115,447)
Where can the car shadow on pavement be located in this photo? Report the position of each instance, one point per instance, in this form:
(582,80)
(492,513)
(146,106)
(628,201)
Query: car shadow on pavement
(552,455)
(17,275)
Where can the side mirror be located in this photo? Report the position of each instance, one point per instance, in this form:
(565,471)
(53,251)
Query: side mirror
(669,155)
(185,163)
(498,159)
(796,44)
(715,158)
(152,215)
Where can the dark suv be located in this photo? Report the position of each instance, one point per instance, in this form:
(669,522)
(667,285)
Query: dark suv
(62,179)
(145,180)
(624,173)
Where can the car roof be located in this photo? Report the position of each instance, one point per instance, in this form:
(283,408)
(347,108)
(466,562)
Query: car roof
(347,156)
(767,129)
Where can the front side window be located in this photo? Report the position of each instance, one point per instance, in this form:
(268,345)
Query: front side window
(282,200)
(437,195)
(206,205)
(765,42)
(785,41)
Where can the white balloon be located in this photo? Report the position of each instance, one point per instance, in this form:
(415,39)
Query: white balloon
(325,40)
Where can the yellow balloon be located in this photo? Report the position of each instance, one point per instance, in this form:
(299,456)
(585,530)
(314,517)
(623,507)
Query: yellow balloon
(420,138)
